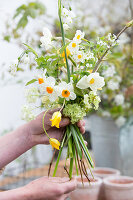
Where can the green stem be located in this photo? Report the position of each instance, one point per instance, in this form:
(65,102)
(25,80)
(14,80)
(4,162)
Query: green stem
(63,38)
(75,157)
(76,141)
(71,168)
(43,124)
(81,140)
(59,155)
(72,61)
(69,142)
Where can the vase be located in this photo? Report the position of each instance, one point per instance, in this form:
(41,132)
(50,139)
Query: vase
(118,188)
(105,142)
(103,172)
(88,191)
(126,147)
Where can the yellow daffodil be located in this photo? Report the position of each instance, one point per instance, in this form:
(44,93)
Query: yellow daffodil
(54,143)
(56,118)
(67,52)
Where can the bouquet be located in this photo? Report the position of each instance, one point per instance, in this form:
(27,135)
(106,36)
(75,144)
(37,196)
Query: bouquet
(66,78)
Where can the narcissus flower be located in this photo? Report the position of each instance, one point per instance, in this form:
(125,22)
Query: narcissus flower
(49,89)
(73,47)
(54,143)
(94,81)
(66,91)
(41,77)
(56,118)
(79,56)
(79,35)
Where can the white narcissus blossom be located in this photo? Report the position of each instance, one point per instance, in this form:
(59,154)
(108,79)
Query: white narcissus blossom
(78,36)
(41,77)
(49,89)
(94,81)
(31,94)
(120,121)
(73,47)
(119,99)
(46,39)
(13,67)
(26,113)
(112,85)
(66,91)
(109,72)
(79,56)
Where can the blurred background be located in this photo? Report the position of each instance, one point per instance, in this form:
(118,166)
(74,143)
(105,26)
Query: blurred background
(114,118)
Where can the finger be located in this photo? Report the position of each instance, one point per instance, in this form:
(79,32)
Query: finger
(81,123)
(69,186)
(82,130)
(64,122)
(86,143)
(53,110)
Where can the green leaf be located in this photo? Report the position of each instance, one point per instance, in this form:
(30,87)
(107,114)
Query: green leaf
(19,10)
(22,22)
(31,49)
(30,82)
(7,38)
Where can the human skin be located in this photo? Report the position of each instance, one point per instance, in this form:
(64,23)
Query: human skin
(42,189)
(22,139)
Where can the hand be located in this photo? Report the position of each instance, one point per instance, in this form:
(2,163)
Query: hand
(50,188)
(36,128)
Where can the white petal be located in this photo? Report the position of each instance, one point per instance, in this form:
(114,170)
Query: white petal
(83,83)
(50,80)
(72,96)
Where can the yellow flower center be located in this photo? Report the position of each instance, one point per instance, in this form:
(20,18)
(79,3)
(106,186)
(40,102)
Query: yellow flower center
(54,143)
(78,37)
(79,56)
(65,93)
(49,90)
(92,81)
(74,45)
(56,118)
(40,80)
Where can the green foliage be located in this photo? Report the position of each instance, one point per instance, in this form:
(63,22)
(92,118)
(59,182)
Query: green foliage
(30,82)
(32,10)
(7,38)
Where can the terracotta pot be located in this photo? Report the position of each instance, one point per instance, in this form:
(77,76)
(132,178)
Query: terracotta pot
(88,191)
(118,188)
(104,172)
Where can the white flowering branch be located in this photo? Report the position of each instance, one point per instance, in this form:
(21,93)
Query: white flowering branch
(107,50)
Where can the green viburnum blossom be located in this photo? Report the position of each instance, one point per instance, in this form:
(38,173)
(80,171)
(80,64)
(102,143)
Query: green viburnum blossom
(74,112)
(90,100)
